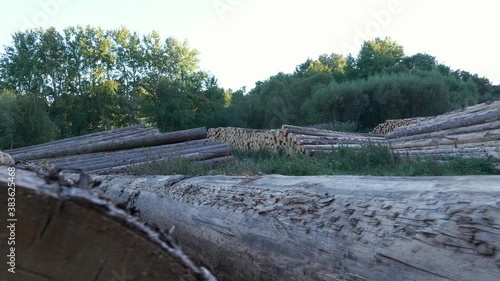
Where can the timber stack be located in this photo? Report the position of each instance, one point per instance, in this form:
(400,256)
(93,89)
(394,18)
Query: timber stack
(392,124)
(123,149)
(292,139)
(470,132)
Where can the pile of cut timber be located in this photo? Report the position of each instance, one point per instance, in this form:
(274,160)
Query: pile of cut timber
(121,149)
(391,124)
(470,132)
(325,228)
(292,139)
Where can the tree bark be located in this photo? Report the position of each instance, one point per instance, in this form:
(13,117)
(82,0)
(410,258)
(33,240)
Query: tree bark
(66,232)
(326,228)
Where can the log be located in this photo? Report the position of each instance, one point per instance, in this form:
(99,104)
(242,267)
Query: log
(454,131)
(120,136)
(65,232)
(78,138)
(290,129)
(6,159)
(326,228)
(193,155)
(464,121)
(475,137)
(121,144)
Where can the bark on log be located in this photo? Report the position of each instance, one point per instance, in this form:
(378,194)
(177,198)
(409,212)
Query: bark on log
(120,144)
(6,159)
(453,131)
(84,159)
(67,233)
(78,138)
(326,228)
(464,121)
(475,137)
(194,155)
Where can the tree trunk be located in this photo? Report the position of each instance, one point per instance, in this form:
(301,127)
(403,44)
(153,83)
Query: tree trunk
(326,228)
(67,233)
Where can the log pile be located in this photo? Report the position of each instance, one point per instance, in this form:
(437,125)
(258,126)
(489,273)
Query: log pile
(123,149)
(391,124)
(470,132)
(292,139)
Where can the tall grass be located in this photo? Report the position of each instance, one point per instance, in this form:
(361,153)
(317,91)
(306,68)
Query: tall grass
(367,160)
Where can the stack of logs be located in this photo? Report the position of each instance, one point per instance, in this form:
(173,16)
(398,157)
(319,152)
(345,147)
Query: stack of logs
(120,150)
(470,132)
(292,139)
(392,124)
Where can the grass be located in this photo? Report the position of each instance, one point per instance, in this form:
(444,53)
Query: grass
(368,160)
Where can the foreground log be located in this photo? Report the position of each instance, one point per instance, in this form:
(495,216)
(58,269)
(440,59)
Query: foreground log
(326,228)
(78,138)
(65,233)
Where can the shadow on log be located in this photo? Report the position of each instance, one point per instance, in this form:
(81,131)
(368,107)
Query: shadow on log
(68,233)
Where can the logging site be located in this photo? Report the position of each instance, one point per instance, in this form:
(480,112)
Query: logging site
(285,141)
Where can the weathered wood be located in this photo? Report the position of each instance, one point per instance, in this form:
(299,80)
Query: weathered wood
(326,228)
(6,159)
(120,144)
(67,233)
(192,155)
(120,136)
(454,131)
(464,121)
(475,137)
(96,157)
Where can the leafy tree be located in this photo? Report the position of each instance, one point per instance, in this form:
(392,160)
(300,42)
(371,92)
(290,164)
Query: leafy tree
(376,55)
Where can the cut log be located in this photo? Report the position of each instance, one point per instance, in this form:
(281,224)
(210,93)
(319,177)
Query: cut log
(67,233)
(437,125)
(326,228)
(78,138)
(120,144)
(6,159)
(120,136)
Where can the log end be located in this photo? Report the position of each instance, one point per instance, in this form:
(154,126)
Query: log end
(6,159)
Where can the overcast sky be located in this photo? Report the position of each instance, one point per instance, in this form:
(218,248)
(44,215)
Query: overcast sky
(244,41)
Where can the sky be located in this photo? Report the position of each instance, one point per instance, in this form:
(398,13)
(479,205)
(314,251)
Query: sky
(245,41)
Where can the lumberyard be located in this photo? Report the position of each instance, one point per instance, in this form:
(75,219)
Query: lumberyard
(81,195)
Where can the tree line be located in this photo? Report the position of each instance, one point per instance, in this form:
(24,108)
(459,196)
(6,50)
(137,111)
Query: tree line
(57,84)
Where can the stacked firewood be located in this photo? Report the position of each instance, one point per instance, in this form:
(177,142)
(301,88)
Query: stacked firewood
(470,132)
(122,149)
(391,124)
(292,139)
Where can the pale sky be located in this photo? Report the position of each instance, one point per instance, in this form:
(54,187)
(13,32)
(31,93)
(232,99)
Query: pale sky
(244,41)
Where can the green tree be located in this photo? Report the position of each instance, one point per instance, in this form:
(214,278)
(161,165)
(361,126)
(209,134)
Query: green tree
(376,55)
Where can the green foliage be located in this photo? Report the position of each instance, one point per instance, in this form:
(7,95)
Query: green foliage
(24,121)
